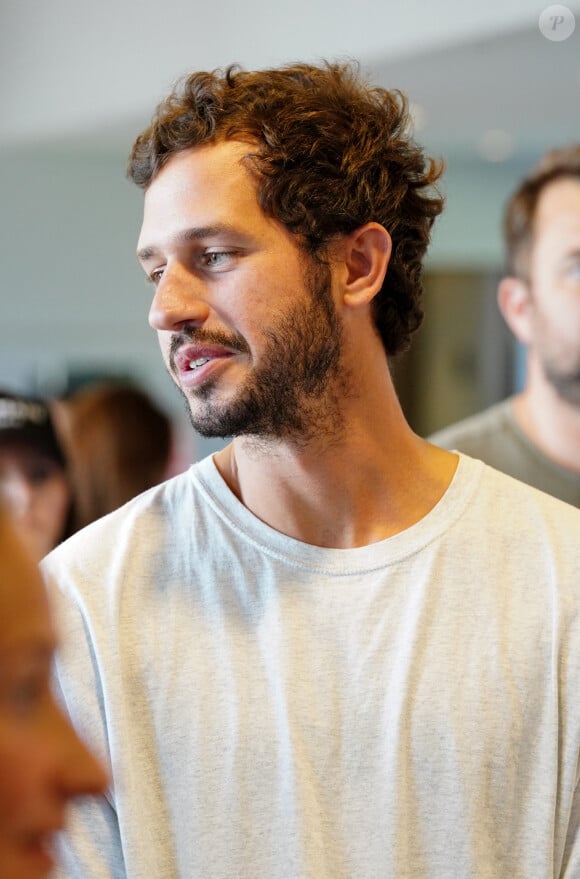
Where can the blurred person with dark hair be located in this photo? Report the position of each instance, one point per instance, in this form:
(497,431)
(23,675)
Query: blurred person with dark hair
(33,474)
(43,764)
(535,435)
(331,650)
(118,444)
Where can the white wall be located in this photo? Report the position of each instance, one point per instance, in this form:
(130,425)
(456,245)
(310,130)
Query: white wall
(68,66)
(71,289)
(468,234)
(72,295)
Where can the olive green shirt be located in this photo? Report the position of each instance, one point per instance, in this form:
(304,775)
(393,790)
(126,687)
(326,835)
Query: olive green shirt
(495,437)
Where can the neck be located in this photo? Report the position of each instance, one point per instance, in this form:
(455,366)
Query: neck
(551,423)
(368,482)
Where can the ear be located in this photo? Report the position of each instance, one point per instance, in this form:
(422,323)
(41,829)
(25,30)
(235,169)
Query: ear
(366,256)
(515,304)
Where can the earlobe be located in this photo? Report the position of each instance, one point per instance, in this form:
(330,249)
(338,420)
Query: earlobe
(367,254)
(514,300)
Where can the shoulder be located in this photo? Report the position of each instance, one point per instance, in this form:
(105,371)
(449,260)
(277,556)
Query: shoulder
(126,534)
(168,530)
(525,515)
(520,546)
(472,433)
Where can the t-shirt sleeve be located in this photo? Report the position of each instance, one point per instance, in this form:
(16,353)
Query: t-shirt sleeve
(90,847)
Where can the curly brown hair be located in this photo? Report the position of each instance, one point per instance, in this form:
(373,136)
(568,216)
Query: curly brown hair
(520,210)
(329,153)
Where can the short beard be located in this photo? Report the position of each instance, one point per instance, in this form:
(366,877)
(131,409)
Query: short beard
(295,394)
(566,384)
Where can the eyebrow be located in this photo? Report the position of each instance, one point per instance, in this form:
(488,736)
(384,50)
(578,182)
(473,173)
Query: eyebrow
(196,233)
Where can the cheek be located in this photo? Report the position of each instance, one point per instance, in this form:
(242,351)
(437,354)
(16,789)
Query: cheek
(557,315)
(164,340)
(21,778)
(52,503)
(47,515)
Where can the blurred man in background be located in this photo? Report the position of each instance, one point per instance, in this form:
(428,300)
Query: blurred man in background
(535,436)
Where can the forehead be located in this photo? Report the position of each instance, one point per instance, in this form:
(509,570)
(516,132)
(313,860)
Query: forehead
(203,186)
(558,209)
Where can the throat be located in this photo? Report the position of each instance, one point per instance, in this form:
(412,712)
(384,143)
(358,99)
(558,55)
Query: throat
(327,505)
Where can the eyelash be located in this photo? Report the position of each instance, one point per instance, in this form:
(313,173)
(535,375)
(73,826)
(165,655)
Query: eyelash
(155,276)
(220,253)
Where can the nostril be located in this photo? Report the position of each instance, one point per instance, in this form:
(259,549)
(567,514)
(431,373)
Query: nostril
(174,306)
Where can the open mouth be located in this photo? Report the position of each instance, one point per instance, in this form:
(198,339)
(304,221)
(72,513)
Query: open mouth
(195,367)
(195,364)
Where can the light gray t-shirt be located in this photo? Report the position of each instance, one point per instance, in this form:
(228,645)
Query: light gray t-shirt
(274,710)
(495,437)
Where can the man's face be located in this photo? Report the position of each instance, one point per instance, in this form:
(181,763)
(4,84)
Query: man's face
(247,323)
(555,287)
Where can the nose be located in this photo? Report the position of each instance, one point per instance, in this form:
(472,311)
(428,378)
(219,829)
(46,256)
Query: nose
(179,299)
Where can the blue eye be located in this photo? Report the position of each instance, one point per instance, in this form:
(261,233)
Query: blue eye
(214,259)
(154,277)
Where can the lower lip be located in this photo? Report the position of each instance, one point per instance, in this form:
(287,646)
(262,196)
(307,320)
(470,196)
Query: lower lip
(192,378)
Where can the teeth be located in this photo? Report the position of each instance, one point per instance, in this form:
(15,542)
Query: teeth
(193,364)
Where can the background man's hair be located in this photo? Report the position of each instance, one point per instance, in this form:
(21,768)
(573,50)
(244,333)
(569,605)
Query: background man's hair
(521,208)
(328,153)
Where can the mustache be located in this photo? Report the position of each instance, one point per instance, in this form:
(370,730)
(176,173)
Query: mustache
(196,336)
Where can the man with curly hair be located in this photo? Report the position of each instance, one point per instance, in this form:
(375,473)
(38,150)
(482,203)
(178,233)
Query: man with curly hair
(331,650)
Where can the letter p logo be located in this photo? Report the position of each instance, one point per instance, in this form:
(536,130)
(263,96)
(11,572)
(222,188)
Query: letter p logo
(557,23)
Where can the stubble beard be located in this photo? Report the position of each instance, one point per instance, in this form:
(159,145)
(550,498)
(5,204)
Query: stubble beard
(561,368)
(566,383)
(295,394)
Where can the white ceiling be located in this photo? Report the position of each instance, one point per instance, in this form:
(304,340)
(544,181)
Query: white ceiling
(89,73)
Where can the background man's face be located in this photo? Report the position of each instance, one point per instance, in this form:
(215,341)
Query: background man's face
(555,286)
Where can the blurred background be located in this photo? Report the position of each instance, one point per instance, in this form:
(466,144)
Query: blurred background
(490,91)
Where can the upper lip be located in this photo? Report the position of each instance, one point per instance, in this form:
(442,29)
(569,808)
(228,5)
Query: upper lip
(187,353)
